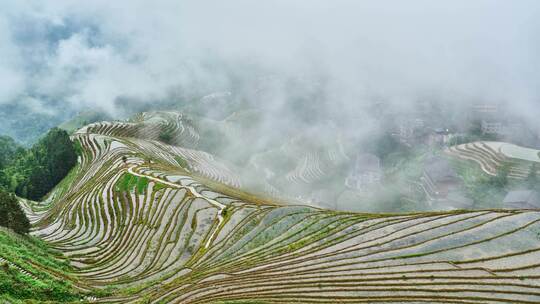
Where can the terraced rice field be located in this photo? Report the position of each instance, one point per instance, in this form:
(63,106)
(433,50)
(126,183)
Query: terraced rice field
(141,225)
(308,170)
(313,166)
(491,156)
(16,267)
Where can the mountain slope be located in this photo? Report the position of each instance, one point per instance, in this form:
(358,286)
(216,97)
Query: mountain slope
(30,271)
(143,221)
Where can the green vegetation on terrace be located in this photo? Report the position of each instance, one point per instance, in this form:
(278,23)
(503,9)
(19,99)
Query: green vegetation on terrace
(130,182)
(30,272)
(166,135)
(488,191)
(173,250)
(34,172)
(241,302)
(182,162)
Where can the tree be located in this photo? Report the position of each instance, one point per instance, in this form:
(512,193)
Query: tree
(38,170)
(166,135)
(476,128)
(386,147)
(501,179)
(11,214)
(8,150)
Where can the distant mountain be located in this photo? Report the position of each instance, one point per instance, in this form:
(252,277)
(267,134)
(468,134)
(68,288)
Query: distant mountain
(82,119)
(26,125)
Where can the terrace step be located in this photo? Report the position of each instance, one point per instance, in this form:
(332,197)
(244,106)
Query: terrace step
(138,220)
(489,159)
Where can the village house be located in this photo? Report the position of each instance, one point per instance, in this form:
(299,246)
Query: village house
(492,127)
(365,173)
(439,137)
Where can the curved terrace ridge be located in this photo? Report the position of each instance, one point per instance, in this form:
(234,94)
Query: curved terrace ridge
(144,221)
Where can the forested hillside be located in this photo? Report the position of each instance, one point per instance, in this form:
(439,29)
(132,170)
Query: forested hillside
(34,172)
(29,271)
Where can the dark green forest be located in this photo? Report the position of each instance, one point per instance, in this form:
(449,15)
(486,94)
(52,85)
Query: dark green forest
(34,172)
(31,173)
(11,214)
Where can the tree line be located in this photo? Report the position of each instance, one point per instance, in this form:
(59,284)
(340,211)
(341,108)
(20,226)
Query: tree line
(31,173)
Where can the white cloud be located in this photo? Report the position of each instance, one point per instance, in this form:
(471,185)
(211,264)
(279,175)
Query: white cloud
(469,50)
(11,78)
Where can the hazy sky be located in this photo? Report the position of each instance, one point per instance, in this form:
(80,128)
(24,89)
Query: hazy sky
(89,53)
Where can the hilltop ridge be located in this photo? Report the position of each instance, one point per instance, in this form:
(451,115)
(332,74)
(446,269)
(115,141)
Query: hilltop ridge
(144,221)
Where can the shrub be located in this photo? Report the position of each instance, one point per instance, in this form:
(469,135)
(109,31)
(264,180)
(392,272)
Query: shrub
(11,214)
(166,135)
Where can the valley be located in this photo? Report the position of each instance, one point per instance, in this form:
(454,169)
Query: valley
(141,221)
(270,152)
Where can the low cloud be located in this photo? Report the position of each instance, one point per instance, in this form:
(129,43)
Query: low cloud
(351,53)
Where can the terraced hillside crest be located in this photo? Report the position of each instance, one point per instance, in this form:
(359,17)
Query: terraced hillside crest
(146,222)
(491,156)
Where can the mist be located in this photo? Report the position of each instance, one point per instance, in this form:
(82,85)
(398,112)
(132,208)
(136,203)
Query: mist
(92,54)
(316,69)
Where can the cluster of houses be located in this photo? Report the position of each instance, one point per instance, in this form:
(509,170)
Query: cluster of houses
(493,120)
(439,183)
(443,189)
(414,131)
(497,122)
